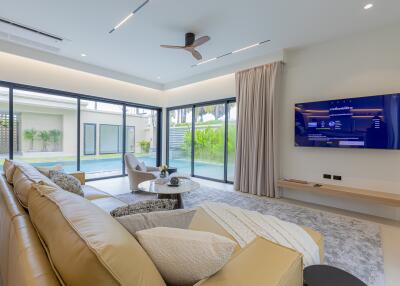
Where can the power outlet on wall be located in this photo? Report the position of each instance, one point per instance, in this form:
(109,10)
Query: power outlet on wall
(327,176)
(337,177)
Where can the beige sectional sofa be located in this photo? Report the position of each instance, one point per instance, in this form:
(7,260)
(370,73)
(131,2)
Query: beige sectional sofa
(52,237)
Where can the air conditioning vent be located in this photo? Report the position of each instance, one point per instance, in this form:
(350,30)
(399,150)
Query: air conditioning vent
(28,36)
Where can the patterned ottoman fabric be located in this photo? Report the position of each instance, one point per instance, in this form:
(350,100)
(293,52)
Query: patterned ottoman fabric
(144,207)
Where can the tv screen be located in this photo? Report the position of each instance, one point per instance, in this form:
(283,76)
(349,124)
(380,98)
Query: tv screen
(364,122)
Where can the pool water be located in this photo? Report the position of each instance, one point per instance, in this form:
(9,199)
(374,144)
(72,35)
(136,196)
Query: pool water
(114,166)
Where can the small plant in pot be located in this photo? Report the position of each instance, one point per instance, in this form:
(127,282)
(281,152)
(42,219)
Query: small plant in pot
(163,171)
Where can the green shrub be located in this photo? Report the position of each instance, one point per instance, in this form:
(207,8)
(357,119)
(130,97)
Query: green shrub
(144,146)
(209,143)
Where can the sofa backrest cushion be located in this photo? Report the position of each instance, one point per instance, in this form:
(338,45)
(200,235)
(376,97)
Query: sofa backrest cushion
(24,177)
(85,244)
(8,168)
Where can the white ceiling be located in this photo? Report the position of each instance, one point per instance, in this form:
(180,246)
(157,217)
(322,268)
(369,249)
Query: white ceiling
(132,53)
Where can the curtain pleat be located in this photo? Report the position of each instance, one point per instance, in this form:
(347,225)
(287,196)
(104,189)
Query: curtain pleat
(256,147)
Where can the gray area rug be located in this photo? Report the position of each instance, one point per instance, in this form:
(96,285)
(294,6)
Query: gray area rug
(350,244)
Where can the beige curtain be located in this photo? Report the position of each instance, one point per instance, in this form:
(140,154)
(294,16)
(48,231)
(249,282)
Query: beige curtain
(257,90)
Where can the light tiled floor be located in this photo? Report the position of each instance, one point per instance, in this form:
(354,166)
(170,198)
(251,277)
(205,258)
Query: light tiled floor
(390,230)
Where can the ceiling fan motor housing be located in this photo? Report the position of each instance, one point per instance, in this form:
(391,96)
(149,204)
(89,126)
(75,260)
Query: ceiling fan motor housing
(189,39)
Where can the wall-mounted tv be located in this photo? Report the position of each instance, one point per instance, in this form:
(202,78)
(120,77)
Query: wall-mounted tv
(363,122)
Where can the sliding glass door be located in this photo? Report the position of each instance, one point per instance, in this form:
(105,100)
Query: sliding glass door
(180,139)
(209,141)
(142,135)
(105,133)
(231,141)
(201,139)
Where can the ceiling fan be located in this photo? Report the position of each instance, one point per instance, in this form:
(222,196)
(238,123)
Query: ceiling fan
(190,44)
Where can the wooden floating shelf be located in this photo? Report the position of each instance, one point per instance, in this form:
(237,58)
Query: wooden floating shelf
(348,192)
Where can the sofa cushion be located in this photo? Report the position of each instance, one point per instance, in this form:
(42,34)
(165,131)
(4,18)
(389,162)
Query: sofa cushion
(91,193)
(24,177)
(108,204)
(86,245)
(180,218)
(9,169)
(204,222)
(184,256)
(46,170)
(66,182)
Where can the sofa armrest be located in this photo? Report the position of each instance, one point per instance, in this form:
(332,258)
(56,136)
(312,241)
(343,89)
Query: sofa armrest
(260,263)
(80,176)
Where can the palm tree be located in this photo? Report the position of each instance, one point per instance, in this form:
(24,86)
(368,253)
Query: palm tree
(55,136)
(45,137)
(30,135)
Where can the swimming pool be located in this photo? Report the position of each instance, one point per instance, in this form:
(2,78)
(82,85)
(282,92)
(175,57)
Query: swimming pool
(95,168)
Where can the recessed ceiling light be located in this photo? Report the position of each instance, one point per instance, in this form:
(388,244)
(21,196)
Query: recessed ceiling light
(159,77)
(129,16)
(230,53)
(368,6)
(83,55)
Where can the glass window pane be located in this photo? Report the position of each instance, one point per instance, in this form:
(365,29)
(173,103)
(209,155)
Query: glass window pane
(209,141)
(180,139)
(4,123)
(45,129)
(107,158)
(109,139)
(231,141)
(89,136)
(141,134)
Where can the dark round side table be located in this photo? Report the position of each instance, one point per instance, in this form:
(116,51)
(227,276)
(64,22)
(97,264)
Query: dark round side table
(324,275)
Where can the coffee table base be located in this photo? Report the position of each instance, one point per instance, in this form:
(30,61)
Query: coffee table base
(177,197)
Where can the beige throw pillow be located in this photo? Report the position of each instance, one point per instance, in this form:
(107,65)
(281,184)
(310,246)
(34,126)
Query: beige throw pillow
(184,256)
(46,170)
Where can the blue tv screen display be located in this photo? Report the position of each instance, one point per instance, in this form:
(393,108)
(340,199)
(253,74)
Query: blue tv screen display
(364,122)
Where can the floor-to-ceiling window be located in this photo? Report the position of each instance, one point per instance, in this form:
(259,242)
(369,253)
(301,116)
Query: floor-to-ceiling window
(209,141)
(45,129)
(141,134)
(4,124)
(231,141)
(79,132)
(180,139)
(106,120)
(209,151)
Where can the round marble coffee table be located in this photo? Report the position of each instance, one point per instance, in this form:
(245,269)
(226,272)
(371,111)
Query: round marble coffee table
(164,191)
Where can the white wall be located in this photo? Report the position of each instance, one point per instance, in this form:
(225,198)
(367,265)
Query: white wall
(359,65)
(32,72)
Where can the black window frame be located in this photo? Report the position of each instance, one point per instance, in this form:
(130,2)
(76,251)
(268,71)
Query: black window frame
(193,106)
(12,85)
(84,138)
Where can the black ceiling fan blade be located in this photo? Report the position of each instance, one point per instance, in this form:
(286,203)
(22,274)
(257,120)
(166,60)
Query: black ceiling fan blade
(200,41)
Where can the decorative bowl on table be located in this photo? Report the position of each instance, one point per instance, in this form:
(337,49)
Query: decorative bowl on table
(173,182)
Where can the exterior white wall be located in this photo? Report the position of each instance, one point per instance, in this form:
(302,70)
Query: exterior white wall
(359,65)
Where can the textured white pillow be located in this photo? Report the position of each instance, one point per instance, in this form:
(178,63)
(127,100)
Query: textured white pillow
(184,256)
(141,166)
